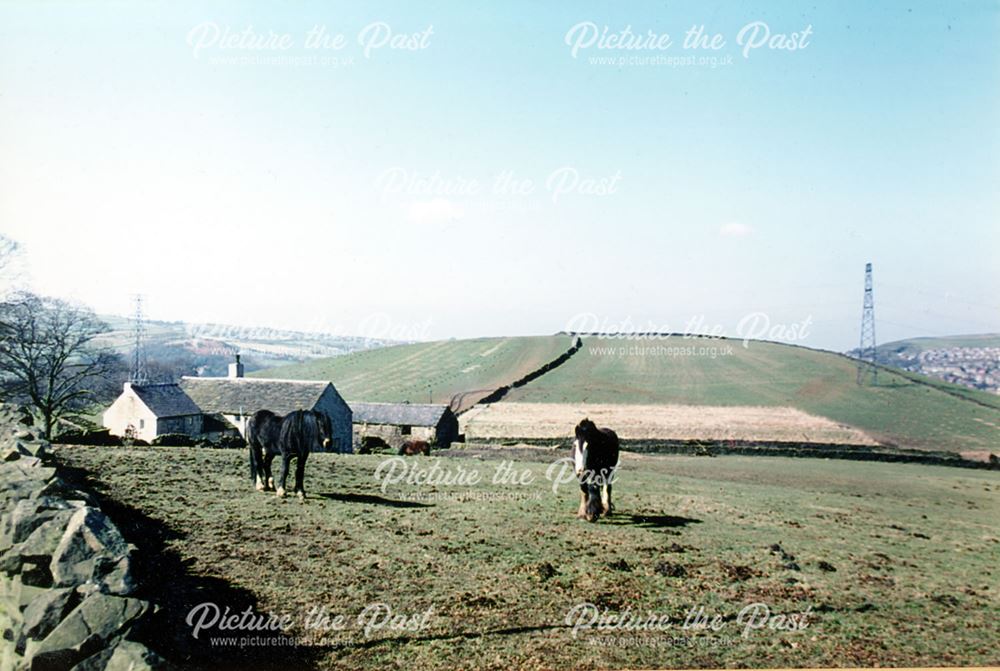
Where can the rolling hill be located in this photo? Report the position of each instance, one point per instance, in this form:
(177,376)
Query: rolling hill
(462,371)
(920,344)
(904,410)
(207,349)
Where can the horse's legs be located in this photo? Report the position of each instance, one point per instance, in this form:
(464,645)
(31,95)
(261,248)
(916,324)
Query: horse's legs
(300,471)
(582,510)
(285,459)
(257,467)
(594,507)
(253,463)
(605,499)
(611,506)
(266,474)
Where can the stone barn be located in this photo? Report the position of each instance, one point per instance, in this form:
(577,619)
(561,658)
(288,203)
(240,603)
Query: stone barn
(392,424)
(208,407)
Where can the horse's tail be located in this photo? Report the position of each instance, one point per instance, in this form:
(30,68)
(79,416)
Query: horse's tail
(303,433)
(252,437)
(299,416)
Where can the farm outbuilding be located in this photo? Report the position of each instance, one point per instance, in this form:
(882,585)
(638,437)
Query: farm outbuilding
(210,407)
(392,424)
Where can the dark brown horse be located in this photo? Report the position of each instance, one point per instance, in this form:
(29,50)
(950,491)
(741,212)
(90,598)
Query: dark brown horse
(595,461)
(412,447)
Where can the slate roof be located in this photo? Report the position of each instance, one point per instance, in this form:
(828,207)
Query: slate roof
(231,396)
(166,400)
(409,414)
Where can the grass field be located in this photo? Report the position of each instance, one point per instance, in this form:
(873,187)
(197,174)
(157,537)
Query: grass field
(651,422)
(896,563)
(430,372)
(904,409)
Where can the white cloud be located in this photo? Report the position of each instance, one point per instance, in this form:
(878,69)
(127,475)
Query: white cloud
(735,229)
(436,211)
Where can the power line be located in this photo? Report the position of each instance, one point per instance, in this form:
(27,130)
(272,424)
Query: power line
(866,350)
(138,375)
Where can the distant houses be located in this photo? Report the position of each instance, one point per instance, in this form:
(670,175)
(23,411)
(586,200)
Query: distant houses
(219,406)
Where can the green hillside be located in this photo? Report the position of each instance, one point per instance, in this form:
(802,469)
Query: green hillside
(430,372)
(904,409)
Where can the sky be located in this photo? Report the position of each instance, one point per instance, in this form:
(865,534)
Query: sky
(452,169)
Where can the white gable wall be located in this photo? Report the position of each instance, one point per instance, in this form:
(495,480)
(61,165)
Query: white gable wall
(128,410)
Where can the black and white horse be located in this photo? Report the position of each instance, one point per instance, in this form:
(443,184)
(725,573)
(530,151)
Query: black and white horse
(595,460)
(293,437)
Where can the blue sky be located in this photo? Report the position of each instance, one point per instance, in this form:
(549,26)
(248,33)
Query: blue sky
(255,193)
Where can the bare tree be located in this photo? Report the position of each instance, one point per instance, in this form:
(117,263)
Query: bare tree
(48,360)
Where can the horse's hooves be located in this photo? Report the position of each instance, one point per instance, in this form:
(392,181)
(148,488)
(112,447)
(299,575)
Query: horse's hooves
(280,492)
(301,495)
(270,483)
(259,486)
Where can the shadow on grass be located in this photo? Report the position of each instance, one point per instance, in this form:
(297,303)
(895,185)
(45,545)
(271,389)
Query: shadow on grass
(651,521)
(165,579)
(372,500)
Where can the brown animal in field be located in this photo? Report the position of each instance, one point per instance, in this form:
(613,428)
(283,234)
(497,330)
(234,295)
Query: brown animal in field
(412,447)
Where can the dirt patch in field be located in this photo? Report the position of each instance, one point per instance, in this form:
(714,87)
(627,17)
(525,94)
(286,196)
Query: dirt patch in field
(644,422)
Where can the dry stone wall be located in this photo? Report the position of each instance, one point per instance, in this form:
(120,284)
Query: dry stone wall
(66,579)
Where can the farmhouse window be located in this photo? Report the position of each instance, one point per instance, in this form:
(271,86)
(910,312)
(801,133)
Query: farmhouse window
(142,424)
(405,430)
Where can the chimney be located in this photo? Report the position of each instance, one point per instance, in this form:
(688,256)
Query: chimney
(236,369)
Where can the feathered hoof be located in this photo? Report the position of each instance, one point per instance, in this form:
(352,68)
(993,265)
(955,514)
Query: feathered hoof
(280,492)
